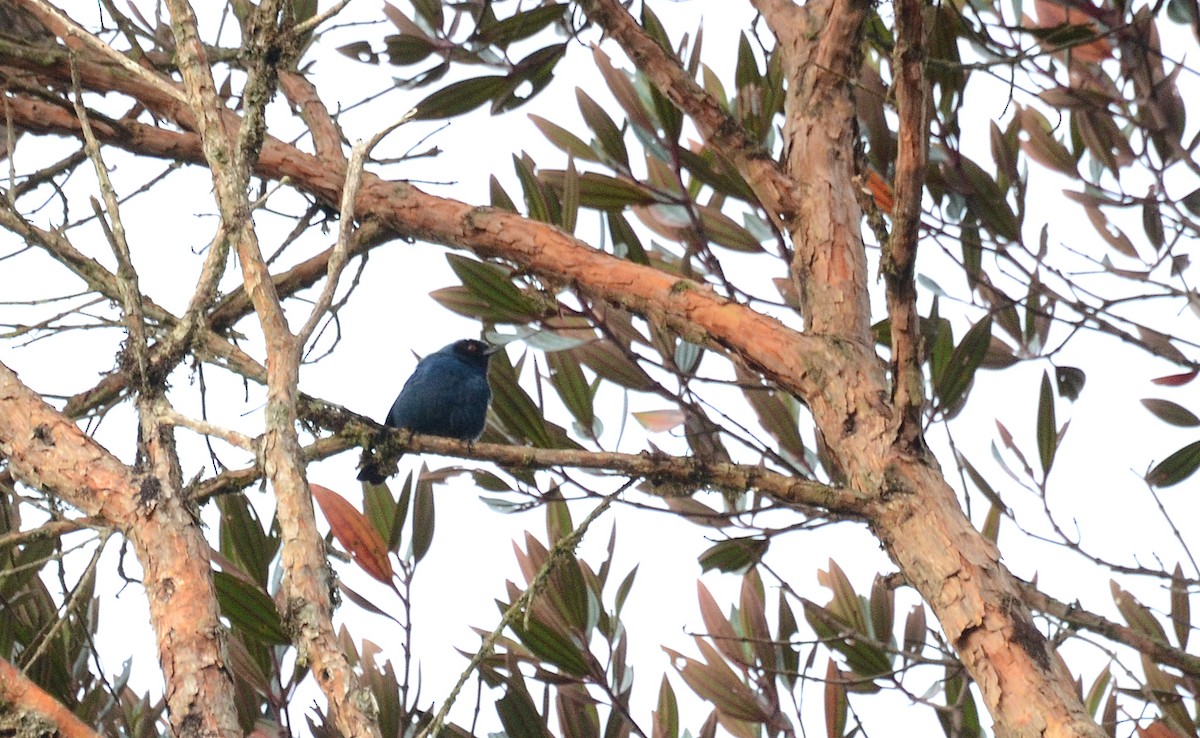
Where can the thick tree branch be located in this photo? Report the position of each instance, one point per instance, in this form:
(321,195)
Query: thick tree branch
(777,192)
(823,56)
(900,252)
(36,711)
(46,450)
(305,584)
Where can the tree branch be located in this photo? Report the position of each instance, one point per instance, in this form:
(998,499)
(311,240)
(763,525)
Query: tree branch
(777,191)
(21,697)
(900,251)
(46,450)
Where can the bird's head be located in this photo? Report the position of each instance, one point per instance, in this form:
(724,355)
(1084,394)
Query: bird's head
(475,353)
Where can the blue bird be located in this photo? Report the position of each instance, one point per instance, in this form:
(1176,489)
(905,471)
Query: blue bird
(447,396)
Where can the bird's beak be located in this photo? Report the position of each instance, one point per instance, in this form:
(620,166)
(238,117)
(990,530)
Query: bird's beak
(493,350)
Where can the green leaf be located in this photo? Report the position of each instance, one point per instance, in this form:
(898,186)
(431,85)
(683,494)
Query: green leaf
(564,139)
(666,714)
(1172,413)
(723,231)
(249,609)
(600,191)
(1070,381)
(607,359)
(518,714)
(573,388)
(541,206)
(1176,467)
(1138,616)
(734,554)
(608,135)
(554,648)
(570,197)
(492,284)
(1047,426)
(520,26)
(423,516)
(1181,607)
(464,302)
(952,381)
(460,97)
(405,48)
(514,407)
(529,76)
(243,538)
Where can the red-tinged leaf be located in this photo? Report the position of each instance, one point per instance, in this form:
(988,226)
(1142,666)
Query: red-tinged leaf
(914,631)
(666,714)
(1181,607)
(460,97)
(577,713)
(753,617)
(622,89)
(1156,729)
(249,609)
(659,421)
(1172,413)
(356,534)
(365,603)
(401,21)
(845,603)
(1041,145)
(720,631)
(1176,380)
(716,682)
(1047,426)
(1176,467)
(835,702)
(1111,234)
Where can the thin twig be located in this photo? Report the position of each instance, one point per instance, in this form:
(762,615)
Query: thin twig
(341,250)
